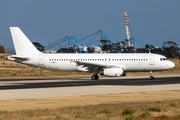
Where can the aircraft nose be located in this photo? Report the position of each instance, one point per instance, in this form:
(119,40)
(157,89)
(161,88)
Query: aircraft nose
(171,65)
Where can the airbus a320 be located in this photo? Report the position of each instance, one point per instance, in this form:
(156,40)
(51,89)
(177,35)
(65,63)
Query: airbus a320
(107,64)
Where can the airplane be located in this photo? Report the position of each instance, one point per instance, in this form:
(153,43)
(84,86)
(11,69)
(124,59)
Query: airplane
(107,64)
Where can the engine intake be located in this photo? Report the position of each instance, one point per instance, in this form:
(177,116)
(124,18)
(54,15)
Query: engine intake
(112,72)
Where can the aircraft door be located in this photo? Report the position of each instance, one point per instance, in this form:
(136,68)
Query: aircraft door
(41,60)
(151,60)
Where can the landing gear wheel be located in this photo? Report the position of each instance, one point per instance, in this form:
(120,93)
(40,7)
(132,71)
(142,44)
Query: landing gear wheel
(94,77)
(151,78)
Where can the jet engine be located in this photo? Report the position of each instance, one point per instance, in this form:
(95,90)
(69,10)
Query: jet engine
(113,72)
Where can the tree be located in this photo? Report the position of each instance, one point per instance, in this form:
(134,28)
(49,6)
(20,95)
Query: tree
(39,46)
(90,49)
(170,49)
(2,49)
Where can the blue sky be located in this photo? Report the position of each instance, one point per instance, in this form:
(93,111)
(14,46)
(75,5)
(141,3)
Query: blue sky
(45,21)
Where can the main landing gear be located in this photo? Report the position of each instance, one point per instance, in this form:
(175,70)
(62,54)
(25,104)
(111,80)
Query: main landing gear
(151,76)
(95,77)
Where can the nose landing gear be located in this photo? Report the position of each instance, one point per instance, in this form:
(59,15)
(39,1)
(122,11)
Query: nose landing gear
(151,76)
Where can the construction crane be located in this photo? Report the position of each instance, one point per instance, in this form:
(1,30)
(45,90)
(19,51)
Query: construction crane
(130,38)
(128,30)
(70,41)
(99,36)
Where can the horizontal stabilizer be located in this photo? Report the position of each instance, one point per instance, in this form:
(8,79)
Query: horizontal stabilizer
(17,58)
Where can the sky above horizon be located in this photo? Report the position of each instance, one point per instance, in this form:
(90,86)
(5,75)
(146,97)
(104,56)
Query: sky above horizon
(45,21)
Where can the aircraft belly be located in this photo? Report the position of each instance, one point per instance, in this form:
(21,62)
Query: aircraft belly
(66,66)
(138,66)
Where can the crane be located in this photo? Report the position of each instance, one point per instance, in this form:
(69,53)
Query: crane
(130,38)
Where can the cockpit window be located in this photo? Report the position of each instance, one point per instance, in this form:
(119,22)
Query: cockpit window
(163,59)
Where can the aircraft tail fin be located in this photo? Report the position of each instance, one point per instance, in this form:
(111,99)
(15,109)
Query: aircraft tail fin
(21,43)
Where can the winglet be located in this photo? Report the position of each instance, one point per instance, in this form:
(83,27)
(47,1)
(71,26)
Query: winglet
(21,43)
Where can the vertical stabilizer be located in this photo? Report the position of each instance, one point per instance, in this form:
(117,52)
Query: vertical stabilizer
(21,43)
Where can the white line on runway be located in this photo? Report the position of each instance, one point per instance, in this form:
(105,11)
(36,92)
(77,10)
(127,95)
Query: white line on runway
(143,81)
(66,84)
(8,84)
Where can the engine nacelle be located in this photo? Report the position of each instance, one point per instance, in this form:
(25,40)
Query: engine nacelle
(112,72)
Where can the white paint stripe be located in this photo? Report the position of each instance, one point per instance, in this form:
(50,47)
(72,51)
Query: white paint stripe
(143,81)
(66,84)
(81,90)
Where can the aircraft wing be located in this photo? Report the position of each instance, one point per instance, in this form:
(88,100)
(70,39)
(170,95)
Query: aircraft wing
(93,66)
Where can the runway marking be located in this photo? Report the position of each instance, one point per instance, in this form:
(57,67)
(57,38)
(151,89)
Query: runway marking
(144,81)
(66,84)
(9,84)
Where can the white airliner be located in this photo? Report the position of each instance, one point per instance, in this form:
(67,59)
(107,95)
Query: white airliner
(111,64)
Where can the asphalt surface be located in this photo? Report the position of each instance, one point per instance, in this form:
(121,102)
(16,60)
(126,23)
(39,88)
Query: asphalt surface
(10,84)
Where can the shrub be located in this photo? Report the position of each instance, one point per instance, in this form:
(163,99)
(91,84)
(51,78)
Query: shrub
(172,104)
(145,115)
(105,111)
(154,109)
(128,112)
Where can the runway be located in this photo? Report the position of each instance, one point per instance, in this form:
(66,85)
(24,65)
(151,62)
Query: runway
(38,88)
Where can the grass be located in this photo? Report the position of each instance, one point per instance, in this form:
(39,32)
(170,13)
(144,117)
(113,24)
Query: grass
(124,106)
(145,114)
(109,111)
